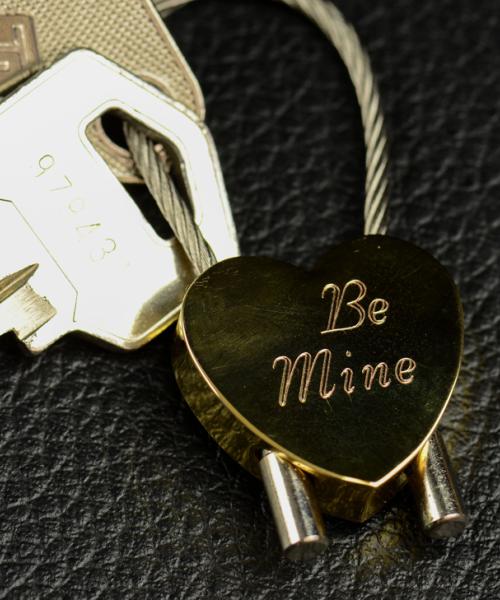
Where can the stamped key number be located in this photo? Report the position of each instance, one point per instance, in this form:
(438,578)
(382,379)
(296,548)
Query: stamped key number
(91,233)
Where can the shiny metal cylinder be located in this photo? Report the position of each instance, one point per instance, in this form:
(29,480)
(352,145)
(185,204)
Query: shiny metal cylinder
(298,520)
(434,487)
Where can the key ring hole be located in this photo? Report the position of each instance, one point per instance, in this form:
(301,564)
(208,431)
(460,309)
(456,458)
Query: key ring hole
(111,125)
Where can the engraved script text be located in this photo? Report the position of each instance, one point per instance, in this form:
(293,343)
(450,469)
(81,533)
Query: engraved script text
(349,310)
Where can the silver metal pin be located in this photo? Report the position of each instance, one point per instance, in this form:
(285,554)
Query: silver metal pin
(298,519)
(433,485)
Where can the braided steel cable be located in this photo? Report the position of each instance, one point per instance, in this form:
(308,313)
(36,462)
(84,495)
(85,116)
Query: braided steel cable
(155,172)
(342,35)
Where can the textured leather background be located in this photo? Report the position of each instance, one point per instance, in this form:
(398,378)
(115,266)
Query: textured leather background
(108,486)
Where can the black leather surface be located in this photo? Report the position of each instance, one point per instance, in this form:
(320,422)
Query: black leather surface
(108,486)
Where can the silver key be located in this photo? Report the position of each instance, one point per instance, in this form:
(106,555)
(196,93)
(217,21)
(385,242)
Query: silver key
(102,267)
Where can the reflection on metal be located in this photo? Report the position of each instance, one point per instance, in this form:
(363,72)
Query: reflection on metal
(436,493)
(298,520)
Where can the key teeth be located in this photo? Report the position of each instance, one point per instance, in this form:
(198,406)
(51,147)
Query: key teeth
(22,310)
(36,312)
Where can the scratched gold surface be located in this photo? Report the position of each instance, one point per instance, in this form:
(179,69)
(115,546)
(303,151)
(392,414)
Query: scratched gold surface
(243,314)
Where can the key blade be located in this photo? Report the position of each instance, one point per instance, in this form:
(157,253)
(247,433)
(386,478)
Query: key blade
(11,283)
(22,310)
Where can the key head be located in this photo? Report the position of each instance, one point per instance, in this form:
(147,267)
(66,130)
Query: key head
(344,371)
(103,268)
(33,35)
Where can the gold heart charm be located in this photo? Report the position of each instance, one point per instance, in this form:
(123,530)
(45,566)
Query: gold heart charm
(345,370)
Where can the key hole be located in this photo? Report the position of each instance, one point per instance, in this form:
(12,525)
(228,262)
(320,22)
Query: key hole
(113,128)
(112,124)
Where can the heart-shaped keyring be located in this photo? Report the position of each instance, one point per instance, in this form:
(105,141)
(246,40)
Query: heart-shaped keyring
(342,373)
(345,370)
